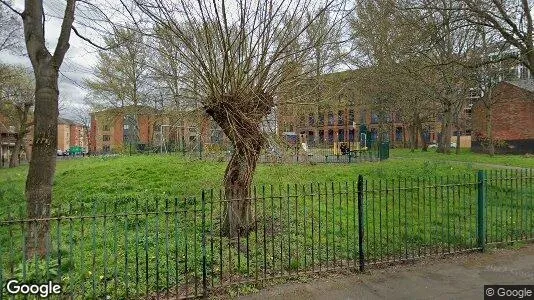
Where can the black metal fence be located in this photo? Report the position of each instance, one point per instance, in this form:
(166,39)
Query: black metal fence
(176,247)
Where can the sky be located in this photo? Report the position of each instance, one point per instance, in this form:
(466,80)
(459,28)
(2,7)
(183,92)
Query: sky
(76,67)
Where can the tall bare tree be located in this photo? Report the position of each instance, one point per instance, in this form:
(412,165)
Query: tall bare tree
(46,70)
(10,30)
(238,54)
(121,77)
(388,39)
(46,66)
(493,63)
(512,20)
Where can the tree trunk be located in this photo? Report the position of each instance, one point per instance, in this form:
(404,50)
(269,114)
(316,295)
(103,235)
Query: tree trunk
(444,145)
(14,160)
(489,131)
(457,141)
(237,182)
(43,161)
(243,130)
(423,141)
(413,137)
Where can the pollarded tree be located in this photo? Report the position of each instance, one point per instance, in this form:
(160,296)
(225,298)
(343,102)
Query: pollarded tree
(238,54)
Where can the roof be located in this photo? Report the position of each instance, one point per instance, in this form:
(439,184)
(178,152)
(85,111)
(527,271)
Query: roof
(61,120)
(525,84)
(142,109)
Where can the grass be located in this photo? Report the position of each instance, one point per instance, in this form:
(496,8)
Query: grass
(140,176)
(467,156)
(145,240)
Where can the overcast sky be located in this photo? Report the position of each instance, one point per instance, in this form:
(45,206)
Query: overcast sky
(79,60)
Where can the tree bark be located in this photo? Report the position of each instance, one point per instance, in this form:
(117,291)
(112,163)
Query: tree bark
(237,182)
(423,141)
(243,130)
(43,162)
(413,137)
(444,145)
(457,141)
(489,131)
(43,158)
(14,160)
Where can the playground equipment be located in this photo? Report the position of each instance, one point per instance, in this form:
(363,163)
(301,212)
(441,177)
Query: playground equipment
(348,148)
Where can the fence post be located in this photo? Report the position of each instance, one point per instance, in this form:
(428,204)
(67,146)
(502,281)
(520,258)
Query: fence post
(481,232)
(360,223)
(204,271)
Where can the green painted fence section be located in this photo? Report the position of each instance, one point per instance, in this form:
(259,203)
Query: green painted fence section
(145,248)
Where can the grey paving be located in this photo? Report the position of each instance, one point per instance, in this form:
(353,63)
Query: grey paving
(456,277)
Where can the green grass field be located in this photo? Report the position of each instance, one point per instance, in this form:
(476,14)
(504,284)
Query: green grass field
(416,204)
(140,176)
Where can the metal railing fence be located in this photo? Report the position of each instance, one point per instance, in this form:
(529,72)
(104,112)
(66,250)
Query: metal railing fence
(134,248)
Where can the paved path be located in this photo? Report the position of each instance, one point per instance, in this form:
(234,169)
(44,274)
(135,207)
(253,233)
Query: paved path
(458,277)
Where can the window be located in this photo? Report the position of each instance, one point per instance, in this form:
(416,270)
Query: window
(374,118)
(216,136)
(340,120)
(106,128)
(106,148)
(523,72)
(398,134)
(374,134)
(341,135)
(105,138)
(126,127)
(302,121)
(330,136)
(321,118)
(330,118)
(351,116)
(311,119)
(351,135)
(321,136)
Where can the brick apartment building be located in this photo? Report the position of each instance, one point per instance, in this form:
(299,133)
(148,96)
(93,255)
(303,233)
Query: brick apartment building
(113,130)
(70,134)
(339,113)
(512,119)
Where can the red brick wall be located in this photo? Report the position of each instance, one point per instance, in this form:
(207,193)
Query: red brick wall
(513,114)
(144,129)
(74,135)
(118,132)
(92,134)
